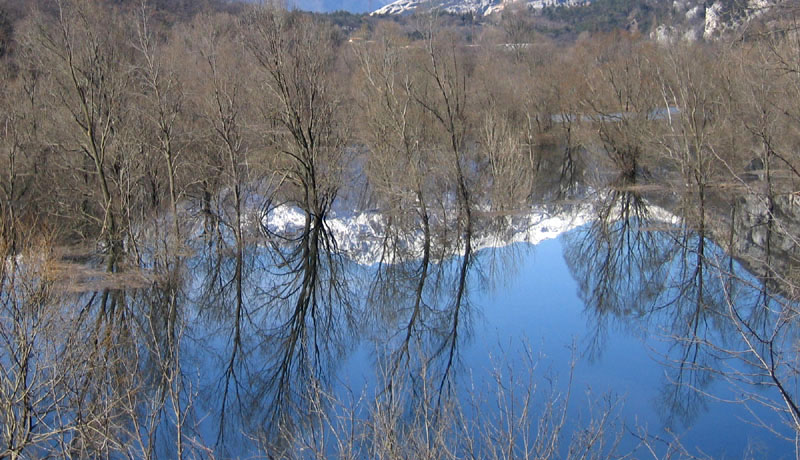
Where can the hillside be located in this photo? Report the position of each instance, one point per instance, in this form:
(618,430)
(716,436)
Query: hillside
(678,19)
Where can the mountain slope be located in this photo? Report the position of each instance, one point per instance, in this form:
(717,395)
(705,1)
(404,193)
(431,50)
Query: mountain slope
(663,20)
(480,7)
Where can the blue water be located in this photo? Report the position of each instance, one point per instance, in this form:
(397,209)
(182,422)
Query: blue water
(525,301)
(536,306)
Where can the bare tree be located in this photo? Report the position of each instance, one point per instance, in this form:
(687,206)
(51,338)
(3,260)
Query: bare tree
(309,301)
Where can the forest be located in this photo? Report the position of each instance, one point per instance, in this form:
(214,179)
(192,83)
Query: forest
(148,154)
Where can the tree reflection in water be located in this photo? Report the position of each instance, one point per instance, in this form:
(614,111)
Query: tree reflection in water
(638,271)
(619,263)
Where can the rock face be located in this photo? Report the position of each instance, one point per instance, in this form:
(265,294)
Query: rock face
(768,236)
(689,20)
(707,20)
(480,7)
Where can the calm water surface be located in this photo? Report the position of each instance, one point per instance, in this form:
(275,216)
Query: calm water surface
(535,305)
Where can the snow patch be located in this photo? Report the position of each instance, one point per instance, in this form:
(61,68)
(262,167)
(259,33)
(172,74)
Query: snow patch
(480,7)
(360,236)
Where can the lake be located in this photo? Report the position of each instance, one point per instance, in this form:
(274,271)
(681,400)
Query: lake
(611,331)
